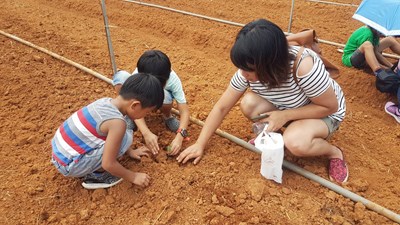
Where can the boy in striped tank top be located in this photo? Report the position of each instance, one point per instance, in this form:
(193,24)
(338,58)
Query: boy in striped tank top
(89,143)
(308,100)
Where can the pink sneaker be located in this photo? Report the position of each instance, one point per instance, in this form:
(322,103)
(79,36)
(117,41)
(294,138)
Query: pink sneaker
(251,141)
(393,110)
(338,170)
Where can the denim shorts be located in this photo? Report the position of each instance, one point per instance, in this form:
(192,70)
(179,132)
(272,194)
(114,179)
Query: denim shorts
(332,124)
(120,77)
(168,98)
(91,161)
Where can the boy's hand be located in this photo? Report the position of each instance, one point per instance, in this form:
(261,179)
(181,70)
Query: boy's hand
(176,145)
(139,152)
(151,141)
(141,179)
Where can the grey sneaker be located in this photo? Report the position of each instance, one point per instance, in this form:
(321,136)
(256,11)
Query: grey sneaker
(100,180)
(172,124)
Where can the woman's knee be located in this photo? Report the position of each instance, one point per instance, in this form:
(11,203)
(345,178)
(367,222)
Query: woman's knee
(248,105)
(252,105)
(297,145)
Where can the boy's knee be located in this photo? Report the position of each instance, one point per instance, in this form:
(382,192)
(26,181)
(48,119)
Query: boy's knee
(367,45)
(389,39)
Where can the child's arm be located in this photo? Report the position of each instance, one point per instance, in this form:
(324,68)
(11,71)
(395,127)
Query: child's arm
(115,130)
(176,144)
(150,138)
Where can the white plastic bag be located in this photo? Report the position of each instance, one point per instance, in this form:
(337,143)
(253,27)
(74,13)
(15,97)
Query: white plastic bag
(271,145)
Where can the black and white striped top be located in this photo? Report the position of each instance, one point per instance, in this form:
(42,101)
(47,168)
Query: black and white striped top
(292,95)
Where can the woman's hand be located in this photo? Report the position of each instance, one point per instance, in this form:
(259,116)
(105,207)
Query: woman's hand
(194,151)
(275,120)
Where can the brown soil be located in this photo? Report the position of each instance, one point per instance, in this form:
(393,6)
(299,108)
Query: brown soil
(39,92)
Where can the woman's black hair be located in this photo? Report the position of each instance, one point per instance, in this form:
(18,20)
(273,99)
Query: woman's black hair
(261,46)
(145,88)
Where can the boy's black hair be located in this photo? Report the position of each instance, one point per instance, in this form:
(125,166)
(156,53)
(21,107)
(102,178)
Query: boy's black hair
(262,47)
(156,63)
(145,88)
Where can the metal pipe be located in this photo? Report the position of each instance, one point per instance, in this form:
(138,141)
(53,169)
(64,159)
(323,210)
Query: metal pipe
(233,23)
(72,63)
(346,193)
(333,3)
(185,12)
(291,17)
(107,28)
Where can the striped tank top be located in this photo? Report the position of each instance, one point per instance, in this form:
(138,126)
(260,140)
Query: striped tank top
(294,95)
(80,133)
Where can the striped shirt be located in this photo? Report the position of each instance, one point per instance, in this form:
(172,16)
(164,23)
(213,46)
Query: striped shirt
(290,94)
(81,133)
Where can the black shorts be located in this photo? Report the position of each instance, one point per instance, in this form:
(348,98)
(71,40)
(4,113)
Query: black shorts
(357,59)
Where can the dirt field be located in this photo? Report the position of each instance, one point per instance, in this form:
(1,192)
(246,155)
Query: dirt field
(39,92)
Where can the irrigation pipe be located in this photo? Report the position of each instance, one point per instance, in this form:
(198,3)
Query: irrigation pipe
(338,189)
(107,28)
(333,3)
(232,23)
(291,17)
(186,13)
(98,75)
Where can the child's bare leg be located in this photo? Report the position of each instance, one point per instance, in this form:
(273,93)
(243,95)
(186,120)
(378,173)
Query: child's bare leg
(166,110)
(368,49)
(391,43)
(253,105)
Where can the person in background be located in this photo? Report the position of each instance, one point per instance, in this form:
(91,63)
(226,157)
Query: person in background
(364,48)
